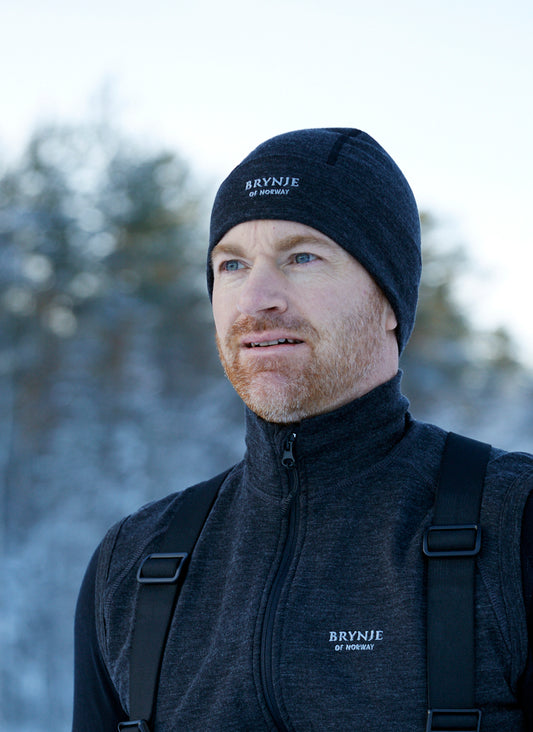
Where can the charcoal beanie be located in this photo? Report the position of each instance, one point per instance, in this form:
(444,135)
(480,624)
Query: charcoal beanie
(344,184)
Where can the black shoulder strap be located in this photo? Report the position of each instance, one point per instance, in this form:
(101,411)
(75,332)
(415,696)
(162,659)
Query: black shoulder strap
(452,543)
(161,577)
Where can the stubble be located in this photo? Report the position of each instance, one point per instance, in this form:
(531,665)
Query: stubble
(338,364)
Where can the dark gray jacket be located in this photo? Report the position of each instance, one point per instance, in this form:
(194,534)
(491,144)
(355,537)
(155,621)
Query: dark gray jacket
(304,605)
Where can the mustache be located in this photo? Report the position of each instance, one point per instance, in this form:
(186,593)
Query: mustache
(248,324)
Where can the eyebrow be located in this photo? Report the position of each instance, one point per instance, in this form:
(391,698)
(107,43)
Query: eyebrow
(282,245)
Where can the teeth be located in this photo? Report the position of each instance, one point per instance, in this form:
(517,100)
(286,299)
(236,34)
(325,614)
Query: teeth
(278,341)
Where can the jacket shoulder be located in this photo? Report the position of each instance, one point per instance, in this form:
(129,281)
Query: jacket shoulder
(510,465)
(119,556)
(136,535)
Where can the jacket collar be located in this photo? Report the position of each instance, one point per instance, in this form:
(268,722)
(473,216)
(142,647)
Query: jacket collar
(351,439)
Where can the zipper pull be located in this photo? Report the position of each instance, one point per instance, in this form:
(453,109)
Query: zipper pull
(288,460)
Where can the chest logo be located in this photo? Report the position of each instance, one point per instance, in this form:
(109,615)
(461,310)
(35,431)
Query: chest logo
(355,640)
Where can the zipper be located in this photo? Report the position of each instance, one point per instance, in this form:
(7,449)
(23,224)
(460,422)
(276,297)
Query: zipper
(289,463)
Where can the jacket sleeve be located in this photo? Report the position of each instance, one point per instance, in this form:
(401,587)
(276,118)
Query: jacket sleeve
(96,702)
(527,579)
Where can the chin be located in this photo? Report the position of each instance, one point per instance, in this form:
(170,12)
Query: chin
(277,414)
(275,407)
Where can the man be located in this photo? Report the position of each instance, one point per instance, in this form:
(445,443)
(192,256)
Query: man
(304,603)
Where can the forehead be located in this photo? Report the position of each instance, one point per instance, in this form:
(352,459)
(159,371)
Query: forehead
(251,236)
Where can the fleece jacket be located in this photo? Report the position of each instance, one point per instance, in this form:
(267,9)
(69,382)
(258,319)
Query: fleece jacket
(304,604)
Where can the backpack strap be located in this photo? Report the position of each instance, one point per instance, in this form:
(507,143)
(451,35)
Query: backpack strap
(451,544)
(161,576)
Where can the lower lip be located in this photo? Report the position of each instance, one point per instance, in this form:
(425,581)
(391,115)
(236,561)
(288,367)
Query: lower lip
(273,358)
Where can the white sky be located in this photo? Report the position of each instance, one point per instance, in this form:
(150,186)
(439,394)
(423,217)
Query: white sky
(445,85)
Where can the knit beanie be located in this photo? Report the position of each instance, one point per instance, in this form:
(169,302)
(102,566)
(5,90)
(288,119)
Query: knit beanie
(344,184)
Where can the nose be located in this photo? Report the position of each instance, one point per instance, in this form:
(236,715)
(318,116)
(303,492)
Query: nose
(263,290)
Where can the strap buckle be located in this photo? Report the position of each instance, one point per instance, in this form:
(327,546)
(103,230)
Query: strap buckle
(161,568)
(453,720)
(452,540)
(139,725)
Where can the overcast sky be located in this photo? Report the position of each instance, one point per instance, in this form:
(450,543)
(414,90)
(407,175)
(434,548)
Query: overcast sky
(445,86)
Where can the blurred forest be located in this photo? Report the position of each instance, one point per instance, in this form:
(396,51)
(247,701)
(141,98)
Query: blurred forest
(111,394)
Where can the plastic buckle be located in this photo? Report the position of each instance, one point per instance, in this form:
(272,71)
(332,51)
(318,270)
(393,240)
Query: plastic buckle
(159,574)
(453,720)
(467,544)
(139,724)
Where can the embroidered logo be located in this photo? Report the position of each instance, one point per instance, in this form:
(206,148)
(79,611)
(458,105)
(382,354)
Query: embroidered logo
(271,186)
(355,640)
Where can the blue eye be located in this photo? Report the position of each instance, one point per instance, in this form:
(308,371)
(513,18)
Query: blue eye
(232,265)
(304,257)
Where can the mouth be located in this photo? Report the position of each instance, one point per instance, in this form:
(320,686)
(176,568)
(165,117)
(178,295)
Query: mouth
(273,342)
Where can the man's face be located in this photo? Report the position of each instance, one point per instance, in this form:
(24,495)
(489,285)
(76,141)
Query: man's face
(301,326)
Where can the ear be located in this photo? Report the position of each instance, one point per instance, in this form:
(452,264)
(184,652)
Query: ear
(389,316)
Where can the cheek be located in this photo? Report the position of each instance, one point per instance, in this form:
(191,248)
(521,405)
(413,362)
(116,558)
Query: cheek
(222,312)
(218,312)
(329,307)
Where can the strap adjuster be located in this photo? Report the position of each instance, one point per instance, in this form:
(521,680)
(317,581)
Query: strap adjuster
(139,725)
(453,720)
(161,568)
(452,540)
